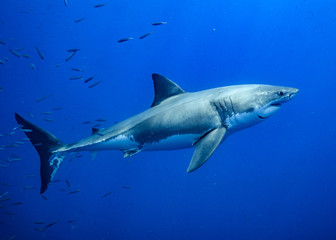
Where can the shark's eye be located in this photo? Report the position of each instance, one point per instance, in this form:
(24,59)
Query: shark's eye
(281,93)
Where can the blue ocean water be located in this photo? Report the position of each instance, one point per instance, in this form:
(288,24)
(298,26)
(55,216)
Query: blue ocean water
(275,180)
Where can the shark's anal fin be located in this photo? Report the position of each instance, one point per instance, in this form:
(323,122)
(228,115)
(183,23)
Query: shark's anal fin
(130,152)
(205,147)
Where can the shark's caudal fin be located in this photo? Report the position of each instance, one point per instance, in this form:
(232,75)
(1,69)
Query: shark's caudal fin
(45,143)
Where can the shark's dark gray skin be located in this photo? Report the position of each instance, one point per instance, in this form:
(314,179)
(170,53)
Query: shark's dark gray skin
(175,120)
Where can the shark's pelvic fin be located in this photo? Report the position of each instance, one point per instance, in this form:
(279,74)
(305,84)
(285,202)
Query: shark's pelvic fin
(45,143)
(130,152)
(164,88)
(205,147)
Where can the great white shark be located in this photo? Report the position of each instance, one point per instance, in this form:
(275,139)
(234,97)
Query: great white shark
(175,120)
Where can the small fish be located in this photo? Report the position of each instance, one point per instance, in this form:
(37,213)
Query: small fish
(158,23)
(39,229)
(26,56)
(79,20)
(28,187)
(66,3)
(19,142)
(145,35)
(26,130)
(71,55)
(50,224)
(71,221)
(68,183)
(73,50)
(19,49)
(39,222)
(32,66)
(97,125)
(99,5)
(124,40)
(126,187)
(41,99)
(44,197)
(56,180)
(89,79)
(37,144)
(16,203)
(75,191)
(46,113)
(9,213)
(106,194)
(75,77)
(4,194)
(48,119)
(15,53)
(76,69)
(2,62)
(86,122)
(5,199)
(39,53)
(29,176)
(2,42)
(6,59)
(95,84)
(12,237)
(100,120)
(14,159)
(57,108)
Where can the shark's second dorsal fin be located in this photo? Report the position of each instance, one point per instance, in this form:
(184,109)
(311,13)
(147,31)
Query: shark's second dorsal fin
(164,88)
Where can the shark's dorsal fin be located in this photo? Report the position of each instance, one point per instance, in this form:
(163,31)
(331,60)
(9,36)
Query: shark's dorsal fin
(95,130)
(164,88)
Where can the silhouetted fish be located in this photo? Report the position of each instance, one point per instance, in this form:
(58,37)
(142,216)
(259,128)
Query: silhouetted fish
(89,79)
(106,194)
(95,84)
(39,53)
(124,39)
(75,191)
(41,99)
(145,35)
(99,5)
(50,224)
(79,20)
(158,23)
(16,54)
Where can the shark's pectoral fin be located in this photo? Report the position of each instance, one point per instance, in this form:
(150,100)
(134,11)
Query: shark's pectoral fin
(205,147)
(130,152)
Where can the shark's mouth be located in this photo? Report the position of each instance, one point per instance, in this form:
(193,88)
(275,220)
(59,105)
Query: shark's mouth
(269,111)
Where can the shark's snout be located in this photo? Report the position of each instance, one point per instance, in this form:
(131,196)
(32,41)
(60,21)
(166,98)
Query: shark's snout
(293,92)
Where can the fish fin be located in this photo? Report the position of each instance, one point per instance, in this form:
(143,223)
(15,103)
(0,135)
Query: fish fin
(45,144)
(205,147)
(95,130)
(93,154)
(164,88)
(130,152)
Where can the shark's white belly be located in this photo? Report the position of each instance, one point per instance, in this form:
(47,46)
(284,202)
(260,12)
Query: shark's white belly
(123,142)
(173,142)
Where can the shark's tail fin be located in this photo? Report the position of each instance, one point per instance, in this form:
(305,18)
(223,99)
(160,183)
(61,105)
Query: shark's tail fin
(45,143)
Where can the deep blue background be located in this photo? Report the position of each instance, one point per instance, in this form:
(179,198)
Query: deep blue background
(273,181)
